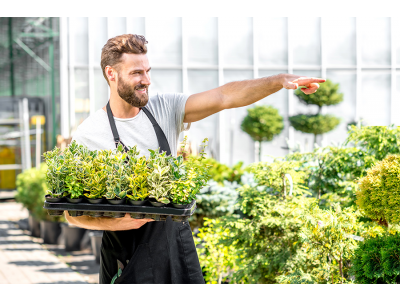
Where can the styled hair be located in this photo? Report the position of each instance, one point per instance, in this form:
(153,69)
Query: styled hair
(116,46)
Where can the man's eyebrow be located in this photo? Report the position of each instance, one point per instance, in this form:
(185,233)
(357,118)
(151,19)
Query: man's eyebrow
(139,70)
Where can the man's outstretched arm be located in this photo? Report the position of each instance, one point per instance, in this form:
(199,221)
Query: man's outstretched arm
(243,93)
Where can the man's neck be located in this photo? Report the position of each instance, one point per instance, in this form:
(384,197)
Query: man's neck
(121,109)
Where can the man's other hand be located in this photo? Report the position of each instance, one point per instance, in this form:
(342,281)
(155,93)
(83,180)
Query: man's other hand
(292,82)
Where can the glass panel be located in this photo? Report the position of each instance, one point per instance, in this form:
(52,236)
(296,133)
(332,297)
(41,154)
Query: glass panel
(116,26)
(375,41)
(237,41)
(100,90)
(396,104)
(346,110)
(200,81)
(99,37)
(272,41)
(82,105)
(375,101)
(396,38)
(305,36)
(202,40)
(165,40)
(135,25)
(165,81)
(79,28)
(278,100)
(340,40)
(241,146)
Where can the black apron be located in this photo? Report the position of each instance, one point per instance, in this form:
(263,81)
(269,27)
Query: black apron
(158,252)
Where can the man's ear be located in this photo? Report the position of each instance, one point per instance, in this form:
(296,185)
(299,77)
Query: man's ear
(111,73)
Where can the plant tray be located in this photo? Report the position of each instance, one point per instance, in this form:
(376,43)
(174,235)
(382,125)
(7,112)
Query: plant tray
(146,211)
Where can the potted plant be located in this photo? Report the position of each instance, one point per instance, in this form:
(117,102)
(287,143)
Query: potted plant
(159,178)
(94,179)
(117,183)
(138,185)
(55,175)
(74,162)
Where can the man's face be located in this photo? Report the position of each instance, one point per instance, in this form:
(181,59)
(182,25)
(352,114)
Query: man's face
(134,79)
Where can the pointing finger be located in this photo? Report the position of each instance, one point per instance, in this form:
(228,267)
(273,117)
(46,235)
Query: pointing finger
(291,86)
(308,80)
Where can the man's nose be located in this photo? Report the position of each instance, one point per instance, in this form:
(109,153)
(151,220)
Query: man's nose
(146,79)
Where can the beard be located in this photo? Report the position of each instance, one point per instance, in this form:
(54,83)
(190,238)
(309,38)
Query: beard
(128,93)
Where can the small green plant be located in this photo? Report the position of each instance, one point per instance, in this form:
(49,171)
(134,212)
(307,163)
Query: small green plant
(159,183)
(117,183)
(56,173)
(138,184)
(262,123)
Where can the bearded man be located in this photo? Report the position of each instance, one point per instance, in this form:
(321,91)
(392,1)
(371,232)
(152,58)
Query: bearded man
(162,251)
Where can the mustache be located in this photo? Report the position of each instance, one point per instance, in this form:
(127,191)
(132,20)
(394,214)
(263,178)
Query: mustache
(141,86)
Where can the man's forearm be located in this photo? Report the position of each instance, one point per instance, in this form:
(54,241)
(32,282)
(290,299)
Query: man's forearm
(104,223)
(246,92)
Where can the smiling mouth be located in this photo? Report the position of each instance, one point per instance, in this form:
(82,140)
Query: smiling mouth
(142,91)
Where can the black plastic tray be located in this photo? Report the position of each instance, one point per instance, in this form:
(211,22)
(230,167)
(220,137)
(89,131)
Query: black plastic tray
(119,211)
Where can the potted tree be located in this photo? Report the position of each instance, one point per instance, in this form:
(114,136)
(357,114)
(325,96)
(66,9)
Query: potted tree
(318,124)
(262,123)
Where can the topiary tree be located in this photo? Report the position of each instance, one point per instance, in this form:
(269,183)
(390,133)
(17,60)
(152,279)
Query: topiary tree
(262,123)
(318,124)
(378,195)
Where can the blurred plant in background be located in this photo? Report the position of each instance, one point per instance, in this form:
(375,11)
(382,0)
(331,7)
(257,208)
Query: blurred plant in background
(31,189)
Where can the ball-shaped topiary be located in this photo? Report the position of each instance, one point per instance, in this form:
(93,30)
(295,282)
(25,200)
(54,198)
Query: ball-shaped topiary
(327,94)
(262,123)
(315,124)
(378,195)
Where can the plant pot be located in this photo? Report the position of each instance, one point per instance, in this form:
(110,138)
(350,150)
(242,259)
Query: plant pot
(96,237)
(180,205)
(95,201)
(72,237)
(138,202)
(156,203)
(78,200)
(34,226)
(53,200)
(116,201)
(50,231)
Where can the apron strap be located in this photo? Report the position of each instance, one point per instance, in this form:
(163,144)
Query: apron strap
(162,140)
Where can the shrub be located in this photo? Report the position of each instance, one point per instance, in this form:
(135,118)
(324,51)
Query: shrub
(378,141)
(377,260)
(378,195)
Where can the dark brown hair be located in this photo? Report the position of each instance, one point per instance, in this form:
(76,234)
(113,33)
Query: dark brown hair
(116,46)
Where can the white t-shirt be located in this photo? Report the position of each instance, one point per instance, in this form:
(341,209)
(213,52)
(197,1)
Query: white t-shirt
(168,110)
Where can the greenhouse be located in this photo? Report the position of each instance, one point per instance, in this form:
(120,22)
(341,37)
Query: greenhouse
(252,155)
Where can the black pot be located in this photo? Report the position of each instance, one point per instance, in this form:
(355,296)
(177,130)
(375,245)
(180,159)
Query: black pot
(52,200)
(72,237)
(116,201)
(50,231)
(95,201)
(34,226)
(138,202)
(79,200)
(180,205)
(156,203)
(95,238)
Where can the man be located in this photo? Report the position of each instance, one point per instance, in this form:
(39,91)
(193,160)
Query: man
(162,251)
